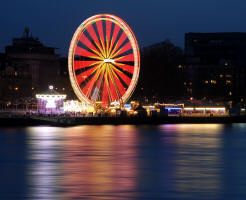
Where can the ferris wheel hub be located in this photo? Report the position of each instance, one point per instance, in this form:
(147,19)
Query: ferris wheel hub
(108,60)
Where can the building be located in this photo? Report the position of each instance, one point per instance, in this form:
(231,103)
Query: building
(39,61)
(15,80)
(27,67)
(215,65)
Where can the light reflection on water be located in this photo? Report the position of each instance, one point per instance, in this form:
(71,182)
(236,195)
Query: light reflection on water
(182,161)
(100,162)
(44,172)
(198,159)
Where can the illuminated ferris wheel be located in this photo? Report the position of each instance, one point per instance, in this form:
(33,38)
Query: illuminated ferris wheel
(103,60)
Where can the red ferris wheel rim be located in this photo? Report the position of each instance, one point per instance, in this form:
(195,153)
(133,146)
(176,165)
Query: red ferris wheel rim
(103,60)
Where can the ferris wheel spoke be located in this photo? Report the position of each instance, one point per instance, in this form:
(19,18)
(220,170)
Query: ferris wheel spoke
(122,39)
(108,34)
(96,90)
(94,37)
(85,58)
(83,52)
(83,46)
(129,52)
(131,63)
(112,31)
(84,40)
(125,67)
(124,70)
(120,87)
(122,77)
(82,77)
(110,37)
(89,75)
(106,84)
(78,64)
(112,89)
(115,42)
(95,43)
(87,85)
(100,43)
(126,49)
(120,46)
(129,57)
(82,70)
(101,86)
(101,34)
(93,89)
(104,33)
(105,94)
(115,33)
(84,84)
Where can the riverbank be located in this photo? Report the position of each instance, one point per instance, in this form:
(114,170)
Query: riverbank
(13,121)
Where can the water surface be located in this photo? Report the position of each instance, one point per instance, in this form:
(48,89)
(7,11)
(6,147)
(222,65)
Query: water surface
(182,161)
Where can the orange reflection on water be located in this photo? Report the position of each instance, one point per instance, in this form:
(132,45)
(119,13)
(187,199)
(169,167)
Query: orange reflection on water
(205,135)
(98,163)
(193,128)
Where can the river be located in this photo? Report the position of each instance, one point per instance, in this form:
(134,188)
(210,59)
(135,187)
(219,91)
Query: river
(169,161)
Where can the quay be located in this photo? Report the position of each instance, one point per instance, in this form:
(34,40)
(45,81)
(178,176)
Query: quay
(22,121)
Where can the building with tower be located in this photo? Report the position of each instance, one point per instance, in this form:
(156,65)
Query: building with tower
(27,67)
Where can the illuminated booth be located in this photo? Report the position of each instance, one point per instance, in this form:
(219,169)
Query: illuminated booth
(50,102)
(205,111)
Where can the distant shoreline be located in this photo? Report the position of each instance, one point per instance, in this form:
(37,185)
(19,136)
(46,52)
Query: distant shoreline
(22,121)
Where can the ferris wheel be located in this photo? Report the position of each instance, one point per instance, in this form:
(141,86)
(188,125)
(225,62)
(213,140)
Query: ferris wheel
(103,60)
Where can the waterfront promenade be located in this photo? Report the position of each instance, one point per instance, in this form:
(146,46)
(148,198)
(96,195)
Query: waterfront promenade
(63,121)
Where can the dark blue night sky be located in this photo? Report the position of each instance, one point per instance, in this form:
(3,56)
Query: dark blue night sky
(54,21)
